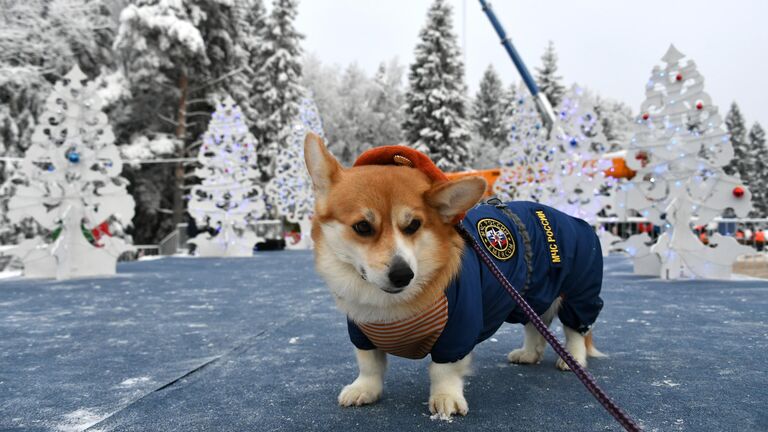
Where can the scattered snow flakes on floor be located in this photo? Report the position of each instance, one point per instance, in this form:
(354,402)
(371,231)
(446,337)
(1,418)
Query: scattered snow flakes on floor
(79,420)
(131,382)
(665,383)
(441,417)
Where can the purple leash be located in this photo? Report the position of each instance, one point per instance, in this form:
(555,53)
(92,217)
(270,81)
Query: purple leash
(585,377)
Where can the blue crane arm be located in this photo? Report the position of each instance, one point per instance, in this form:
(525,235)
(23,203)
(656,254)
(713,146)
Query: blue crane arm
(542,103)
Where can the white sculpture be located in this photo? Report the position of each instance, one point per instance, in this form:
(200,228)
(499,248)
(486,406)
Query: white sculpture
(638,247)
(678,152)
(229,196)
(71,185)
(290,191)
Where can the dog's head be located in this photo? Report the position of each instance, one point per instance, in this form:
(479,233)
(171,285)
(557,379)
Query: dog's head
(383,233)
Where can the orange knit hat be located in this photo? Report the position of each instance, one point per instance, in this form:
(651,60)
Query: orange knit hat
(405,156)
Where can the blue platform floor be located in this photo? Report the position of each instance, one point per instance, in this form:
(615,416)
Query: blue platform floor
(256,344)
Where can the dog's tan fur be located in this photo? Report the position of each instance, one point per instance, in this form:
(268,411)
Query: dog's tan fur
(389,198)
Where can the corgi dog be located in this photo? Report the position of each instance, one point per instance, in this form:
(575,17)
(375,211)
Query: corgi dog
(387,247)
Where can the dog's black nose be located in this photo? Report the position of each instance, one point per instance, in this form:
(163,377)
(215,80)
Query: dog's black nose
(400,273)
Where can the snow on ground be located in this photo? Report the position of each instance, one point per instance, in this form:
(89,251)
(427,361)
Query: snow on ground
(8,274)
(256,344)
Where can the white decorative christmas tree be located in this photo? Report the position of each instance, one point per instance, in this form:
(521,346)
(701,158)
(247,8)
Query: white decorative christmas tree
(578,185)
(290,191)
(678,152)
(229,196)
(526,160)
(70,184)
(567,170)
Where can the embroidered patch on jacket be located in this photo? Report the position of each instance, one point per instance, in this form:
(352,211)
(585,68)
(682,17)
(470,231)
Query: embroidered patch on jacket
(549,232)
(496,238)
(411,338)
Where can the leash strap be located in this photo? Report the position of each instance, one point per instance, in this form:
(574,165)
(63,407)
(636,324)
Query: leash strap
(585,377)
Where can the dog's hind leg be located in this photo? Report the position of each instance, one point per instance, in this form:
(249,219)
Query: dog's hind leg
(576,344)
(533,345)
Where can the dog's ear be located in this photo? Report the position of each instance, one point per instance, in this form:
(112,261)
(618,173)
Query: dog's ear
(322,166)
(453,198)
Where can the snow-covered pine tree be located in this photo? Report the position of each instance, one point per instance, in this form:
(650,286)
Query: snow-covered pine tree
(737,129)
(489,118)
(758,177)
(678,152)
(436,113)
(386,100)
(179,57)
(162,49)
(617,121)
(525,162)
(70,183)
(546,76)
(276,93)
(290,190)
(354,133)
(229,197)
(251,23)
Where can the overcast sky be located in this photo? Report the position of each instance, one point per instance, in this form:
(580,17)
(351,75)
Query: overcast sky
(607,45)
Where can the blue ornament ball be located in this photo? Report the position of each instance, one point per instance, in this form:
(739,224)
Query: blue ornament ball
(574,143)
(73,157)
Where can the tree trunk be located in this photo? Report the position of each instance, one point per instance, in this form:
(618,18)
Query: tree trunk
(181,131)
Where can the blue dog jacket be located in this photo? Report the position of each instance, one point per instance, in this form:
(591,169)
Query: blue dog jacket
(543,252)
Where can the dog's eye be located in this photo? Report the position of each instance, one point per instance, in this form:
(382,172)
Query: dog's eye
(412,227)
(363,228)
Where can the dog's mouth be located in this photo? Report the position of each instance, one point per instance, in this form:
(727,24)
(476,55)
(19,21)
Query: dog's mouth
(392,290)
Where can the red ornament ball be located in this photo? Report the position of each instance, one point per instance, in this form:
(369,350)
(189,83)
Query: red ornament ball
(699,105)
(646,116)
(679,77)
(738,191)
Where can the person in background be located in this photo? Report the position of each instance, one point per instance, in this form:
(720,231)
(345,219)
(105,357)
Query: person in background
(760,239)
(748,233)
(739,235)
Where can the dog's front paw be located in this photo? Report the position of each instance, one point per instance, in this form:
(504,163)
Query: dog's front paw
(446,405)
(522,356)
(563,366)
(359,393)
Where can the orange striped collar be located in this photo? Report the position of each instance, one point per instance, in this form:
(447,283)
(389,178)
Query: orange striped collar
(412,337)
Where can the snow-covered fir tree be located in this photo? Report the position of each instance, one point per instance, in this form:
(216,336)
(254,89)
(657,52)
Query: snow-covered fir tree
(525,162)
(354,133)
(678,152)
(229,197)
(386,100)
(617,121)
(737,129)
(179,57)
(436,112)
(489,114)
(251,16)
(276,92)
(290,190)
(546,76)
(70,183)
(758,177)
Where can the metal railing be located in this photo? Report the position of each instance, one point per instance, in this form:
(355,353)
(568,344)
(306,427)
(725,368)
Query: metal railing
(749,227)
